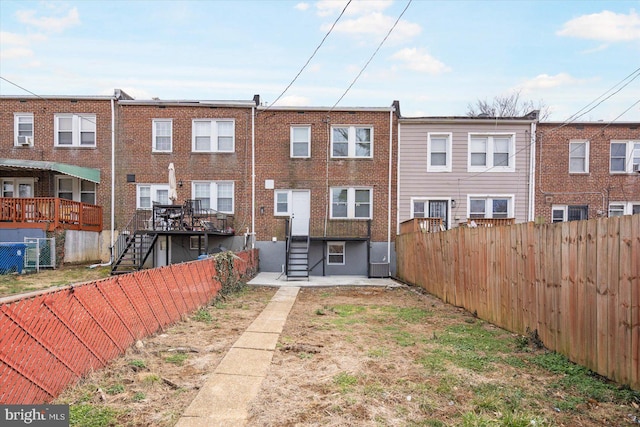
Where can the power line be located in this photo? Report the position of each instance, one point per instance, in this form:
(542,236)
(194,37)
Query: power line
(373,55)
(18,86)
(312,55)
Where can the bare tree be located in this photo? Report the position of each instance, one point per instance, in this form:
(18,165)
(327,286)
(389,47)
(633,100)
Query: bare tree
(507,106)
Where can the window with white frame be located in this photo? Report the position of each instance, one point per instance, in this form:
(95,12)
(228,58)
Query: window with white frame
(625,157)
(213,136)
(351,203)
(301,141)
(495,152)
(579,156)
(79,190)
(162,135)
(148,194)
(75,130)
(335,253)
(562,213)
(624,208)
(216,195)
(17,187)
(431,208)
(490,207)
(352,141)
(439,152)
(23,129)
(282,203)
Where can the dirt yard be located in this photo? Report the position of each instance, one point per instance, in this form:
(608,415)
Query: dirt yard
(357,356)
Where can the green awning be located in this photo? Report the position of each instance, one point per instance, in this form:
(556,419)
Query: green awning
(81,172)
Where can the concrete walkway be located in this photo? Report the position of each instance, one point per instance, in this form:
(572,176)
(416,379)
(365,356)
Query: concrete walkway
(224,398)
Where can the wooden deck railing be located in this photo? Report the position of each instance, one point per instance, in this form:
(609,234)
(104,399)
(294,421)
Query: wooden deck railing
(426,225)
(49,213)
(490,222)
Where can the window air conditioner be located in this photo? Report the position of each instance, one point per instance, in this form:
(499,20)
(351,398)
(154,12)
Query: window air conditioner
(25,140)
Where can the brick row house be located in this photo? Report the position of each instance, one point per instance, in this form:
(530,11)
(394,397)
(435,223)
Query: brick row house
(587,170)
(320,191)
(326,187)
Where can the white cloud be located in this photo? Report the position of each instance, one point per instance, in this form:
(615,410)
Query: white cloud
(16,52)
(545,81)
(302,6)
(48,23)
(604,26)
(294,101)
(418,60)
(377,25)
(331,7)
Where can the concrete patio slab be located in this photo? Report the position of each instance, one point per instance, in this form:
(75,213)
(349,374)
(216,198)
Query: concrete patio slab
(276,279)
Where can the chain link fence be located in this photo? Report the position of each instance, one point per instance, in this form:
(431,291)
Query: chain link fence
(28,256)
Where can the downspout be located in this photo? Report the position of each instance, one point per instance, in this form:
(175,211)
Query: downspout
(389,201)
(253,177)
(532,172)
(113,186)
(398,182)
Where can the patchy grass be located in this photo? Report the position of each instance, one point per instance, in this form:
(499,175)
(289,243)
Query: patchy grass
(11,284)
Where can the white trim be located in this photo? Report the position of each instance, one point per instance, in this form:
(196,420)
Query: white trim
(586,156)
(351,141)
(627,207)
(428,199)
(153,189)
(448,151)
(344,253)
(76,129)
(489,198)
(213,194)
(154,135)
(24,140)
(489,162)
(628,160)
(351,202)
(214,135)
(289,195)
(300,126)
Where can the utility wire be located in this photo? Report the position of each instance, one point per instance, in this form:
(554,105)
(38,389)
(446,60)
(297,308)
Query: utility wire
(311,57)
(18,86)
(372,56)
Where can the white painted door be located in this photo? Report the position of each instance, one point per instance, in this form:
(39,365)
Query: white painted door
(300,212)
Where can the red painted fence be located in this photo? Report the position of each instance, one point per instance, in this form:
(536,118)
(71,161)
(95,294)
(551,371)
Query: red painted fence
(50,339)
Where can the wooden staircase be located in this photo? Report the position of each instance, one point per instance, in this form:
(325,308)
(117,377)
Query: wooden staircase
(298,258)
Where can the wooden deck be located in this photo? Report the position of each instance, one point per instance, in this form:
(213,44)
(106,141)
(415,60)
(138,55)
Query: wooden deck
(49,213)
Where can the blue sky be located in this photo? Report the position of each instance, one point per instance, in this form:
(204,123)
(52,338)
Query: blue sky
(441,56)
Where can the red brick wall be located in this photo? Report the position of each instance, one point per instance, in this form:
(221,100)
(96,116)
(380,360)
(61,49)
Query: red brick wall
(43,146)
(51,339)
(134,156)
(320,172)
(596,188)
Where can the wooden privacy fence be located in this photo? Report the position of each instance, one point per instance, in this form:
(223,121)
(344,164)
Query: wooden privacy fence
(576,283)
(50,339)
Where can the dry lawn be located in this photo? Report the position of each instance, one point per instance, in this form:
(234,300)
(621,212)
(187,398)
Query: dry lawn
(357,357)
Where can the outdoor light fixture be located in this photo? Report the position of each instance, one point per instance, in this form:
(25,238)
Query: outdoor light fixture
(180,183)
(453,203)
